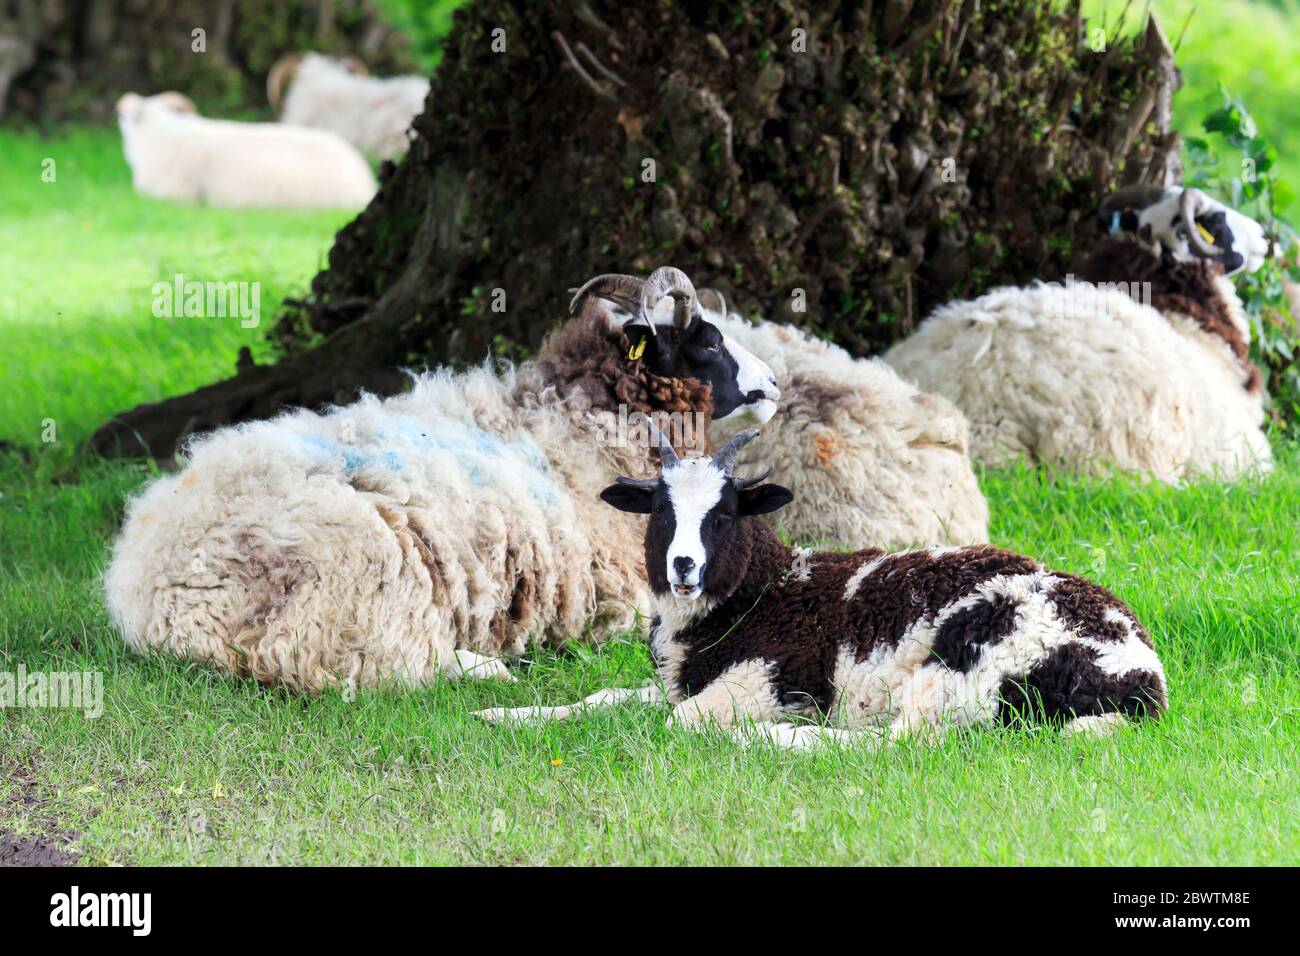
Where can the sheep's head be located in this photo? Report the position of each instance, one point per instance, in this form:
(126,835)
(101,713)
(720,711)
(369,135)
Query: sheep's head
(1188,224)
(667,330)
(695,543)
(133,109)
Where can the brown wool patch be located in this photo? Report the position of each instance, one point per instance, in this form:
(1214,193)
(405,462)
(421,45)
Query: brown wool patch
(1082,606)
(585,356)
(1184,287)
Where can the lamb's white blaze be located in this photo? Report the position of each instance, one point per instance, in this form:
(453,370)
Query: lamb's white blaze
(694,487)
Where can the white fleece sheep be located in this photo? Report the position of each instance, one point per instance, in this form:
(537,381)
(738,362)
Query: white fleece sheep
(872,461)
(1084,375)
(1117,385)
(374,114)
(176,154)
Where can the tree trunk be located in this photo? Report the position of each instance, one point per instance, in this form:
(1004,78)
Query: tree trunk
(843,166)
(72,59)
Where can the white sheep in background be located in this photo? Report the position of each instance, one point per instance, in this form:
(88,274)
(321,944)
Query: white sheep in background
(1143,367)
(373,114)
(176,154)
(870,458)
(419,535)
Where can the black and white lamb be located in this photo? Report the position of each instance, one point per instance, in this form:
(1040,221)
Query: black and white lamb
(748,632)
(1141,364)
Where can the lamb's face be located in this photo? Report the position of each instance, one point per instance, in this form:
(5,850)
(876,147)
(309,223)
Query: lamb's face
(695,507)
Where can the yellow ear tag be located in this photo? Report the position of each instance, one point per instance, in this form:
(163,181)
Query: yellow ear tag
(1205,234)
(636,351)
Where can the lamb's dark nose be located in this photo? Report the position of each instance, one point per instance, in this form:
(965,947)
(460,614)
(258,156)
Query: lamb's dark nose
(683,567)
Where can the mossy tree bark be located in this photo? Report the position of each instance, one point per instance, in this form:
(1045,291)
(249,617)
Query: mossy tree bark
(843,166)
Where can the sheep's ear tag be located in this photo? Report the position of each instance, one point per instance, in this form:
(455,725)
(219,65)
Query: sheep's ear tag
(1205,234)
(1114,222)
(637,350)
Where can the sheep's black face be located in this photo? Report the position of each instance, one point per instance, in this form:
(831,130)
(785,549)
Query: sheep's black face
(695,526)
(743,384)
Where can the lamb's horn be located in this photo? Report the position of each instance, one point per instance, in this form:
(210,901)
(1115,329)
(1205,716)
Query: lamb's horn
(622,289)
(725,457)
(667,454)
(743,483)
(669,281)
(281,70)
(1189,204)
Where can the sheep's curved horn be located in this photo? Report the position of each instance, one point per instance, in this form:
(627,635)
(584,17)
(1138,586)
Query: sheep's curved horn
(623,289)
(354,66)
(669,281)
(713,300)
(1190,203)
(281,70)
(179,100)
(667,454)
(725,458)
(743,483)
(1137,196)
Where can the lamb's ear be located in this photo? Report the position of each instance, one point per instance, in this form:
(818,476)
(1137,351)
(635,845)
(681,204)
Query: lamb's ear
(628,498)
(763,499)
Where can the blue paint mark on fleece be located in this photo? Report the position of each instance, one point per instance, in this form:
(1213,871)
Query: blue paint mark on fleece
(482,454)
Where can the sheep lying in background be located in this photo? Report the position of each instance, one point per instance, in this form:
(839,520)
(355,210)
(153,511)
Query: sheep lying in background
(869,457)
(1143,365)
(371,113)
(176,154)
(423,534)
(746,629)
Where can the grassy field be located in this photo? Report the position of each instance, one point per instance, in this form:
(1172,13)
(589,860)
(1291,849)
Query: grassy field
(187,765)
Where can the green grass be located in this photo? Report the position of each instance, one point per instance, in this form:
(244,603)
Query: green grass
(191,766)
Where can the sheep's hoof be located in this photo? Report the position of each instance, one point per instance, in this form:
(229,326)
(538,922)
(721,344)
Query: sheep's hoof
(478,667)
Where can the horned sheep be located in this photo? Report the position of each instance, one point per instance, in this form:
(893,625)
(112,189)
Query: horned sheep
(748,633)
(174,153)
(374,114)
(1143,364)
(431,532)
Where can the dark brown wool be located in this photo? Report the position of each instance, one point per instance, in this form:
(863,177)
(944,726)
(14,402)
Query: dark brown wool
(1185,287)
(584,356)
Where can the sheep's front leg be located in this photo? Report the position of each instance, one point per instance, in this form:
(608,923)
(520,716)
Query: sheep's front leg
(609,697)
(478,667)
(743,692)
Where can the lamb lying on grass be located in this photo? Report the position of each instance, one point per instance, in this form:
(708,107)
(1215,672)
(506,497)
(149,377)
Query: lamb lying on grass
(174,153)
(747,630)
(1142,365)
